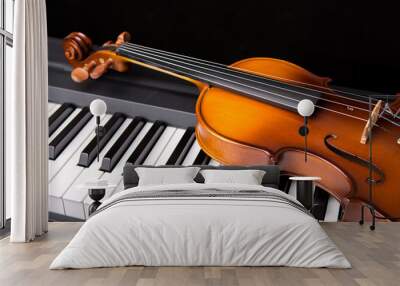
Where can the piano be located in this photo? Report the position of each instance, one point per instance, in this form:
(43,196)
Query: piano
(150,121)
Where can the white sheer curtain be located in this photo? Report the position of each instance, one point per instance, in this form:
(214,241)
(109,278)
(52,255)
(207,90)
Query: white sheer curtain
(26,123)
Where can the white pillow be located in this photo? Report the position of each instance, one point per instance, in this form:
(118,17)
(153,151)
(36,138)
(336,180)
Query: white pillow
(162,176)
(248,177)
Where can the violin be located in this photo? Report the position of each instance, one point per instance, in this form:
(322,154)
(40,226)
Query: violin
(247,115)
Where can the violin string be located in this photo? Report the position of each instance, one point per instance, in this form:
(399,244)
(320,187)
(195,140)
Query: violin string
(339,103)
(179,66)
(251,87)
(331,110)
(266,84)
(390,121)
(320,107)
(252,73)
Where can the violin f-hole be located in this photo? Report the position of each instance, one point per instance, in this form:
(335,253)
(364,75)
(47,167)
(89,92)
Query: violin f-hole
(354,158)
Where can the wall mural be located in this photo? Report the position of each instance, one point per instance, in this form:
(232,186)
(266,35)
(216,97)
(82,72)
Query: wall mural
(255,111)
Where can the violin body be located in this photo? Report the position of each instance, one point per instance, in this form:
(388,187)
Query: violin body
(235,129)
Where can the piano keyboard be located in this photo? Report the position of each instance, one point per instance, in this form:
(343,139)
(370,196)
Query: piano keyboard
(136,141)
(329,210)
(73,152)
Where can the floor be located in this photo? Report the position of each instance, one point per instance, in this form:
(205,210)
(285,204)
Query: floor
(375,257)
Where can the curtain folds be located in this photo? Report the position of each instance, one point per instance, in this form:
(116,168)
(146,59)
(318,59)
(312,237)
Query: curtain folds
(27,123)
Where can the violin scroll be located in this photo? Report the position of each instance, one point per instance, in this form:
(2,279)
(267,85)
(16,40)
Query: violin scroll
(89,62)
(77,47)
(124,37)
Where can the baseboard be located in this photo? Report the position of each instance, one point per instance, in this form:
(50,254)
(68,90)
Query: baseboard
(57,217)
(5,231)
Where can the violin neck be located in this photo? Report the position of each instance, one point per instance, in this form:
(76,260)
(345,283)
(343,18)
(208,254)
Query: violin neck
(250,85)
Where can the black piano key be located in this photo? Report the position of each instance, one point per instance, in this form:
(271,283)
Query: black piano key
(182,148)
(320,203)
(146,145)
(122,144)
(90,152)
(59,116)
(58,144)
(202,159)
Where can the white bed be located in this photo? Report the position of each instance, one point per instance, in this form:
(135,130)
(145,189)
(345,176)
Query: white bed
(189,231)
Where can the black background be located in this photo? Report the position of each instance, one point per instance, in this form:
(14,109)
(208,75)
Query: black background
(353,42)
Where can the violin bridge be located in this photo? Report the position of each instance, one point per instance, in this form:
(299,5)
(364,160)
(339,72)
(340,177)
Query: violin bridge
(371,122)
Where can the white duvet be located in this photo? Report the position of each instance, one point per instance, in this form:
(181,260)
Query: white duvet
(200,231)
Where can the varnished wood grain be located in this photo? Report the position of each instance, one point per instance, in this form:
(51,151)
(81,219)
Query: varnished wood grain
(375,257)
(238,130)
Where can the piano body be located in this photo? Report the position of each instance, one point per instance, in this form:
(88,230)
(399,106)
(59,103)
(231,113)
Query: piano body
(149,121)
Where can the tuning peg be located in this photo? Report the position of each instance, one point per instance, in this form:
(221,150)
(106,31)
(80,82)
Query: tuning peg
(80,74)
(123,38)
(101,69)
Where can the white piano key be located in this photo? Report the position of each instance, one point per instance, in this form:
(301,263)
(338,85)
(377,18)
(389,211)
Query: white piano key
(56,165)
(192,154)
(214,163)
(115,177)
(292,189)
(170,147)
(332,210)
(109,192)
(159,147)
(60,183)
(75,195)
(65,123)
(52,107)
(119,188)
